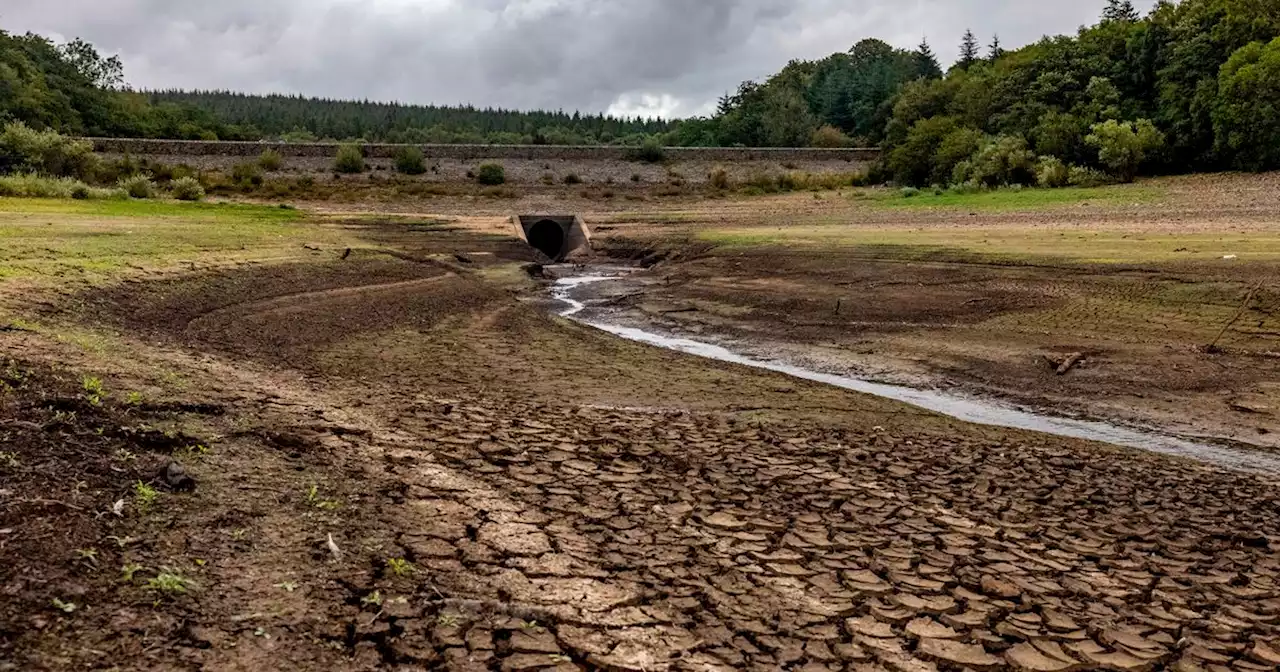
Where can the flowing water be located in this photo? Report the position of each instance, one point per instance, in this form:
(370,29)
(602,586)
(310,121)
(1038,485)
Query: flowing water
(962,407)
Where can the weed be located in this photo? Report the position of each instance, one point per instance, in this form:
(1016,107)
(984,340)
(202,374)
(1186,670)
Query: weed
(187,189)
(9,459)
(548,179)
(123,455)
(239,534)
(910,192)
(529,625)
(144,496)
(314,500)
(169,582)
(400,567)
(122,542)
(635,177)
(409,161)
(719,178)
(557,658)
(447,621)
(64,607)
(127,572)
(572,178)
(287,586)
(134,399)
(374,599)
(88,556)
(651,151)
(93,390)
(138,186)
(197,452)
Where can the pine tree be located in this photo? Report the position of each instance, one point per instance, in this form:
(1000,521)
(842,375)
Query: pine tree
(926,62)
(996,50)
(968,50)
(1120,10)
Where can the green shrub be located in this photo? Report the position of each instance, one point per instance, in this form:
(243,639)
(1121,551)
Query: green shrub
(270,160)
(572,178)
(1124,145)
(30,185)
(350,159)
(187,189)
(1052,173)
(910,192)
(912,162)
(1003,161)
(138,186)
(81,192)
(491,174)
(247,175)
(49,153)
(719,178)
(965,188)
(1080,176)
(829,137)
(410,161)
(651,151)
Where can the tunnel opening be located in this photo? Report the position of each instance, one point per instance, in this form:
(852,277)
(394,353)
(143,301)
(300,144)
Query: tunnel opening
(548,237)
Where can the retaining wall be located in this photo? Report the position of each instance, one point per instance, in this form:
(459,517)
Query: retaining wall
(475,152)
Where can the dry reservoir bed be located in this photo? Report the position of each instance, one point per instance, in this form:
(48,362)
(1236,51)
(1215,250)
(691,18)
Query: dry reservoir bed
(404,460)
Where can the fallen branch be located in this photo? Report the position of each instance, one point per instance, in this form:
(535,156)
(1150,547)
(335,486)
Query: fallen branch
(1070,363)
(1213,347)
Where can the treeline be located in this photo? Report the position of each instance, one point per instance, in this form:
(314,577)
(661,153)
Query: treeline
(1193,85)
(297,118)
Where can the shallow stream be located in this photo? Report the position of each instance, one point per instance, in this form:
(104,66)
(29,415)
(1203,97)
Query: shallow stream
(962,407)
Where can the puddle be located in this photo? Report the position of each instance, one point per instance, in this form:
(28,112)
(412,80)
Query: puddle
(961,407)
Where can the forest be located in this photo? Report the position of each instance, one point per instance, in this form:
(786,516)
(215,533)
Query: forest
(1190,86)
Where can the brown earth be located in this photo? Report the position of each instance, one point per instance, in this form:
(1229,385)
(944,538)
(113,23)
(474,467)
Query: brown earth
(411,464)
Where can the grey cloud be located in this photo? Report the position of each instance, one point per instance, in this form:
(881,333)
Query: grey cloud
(674,55)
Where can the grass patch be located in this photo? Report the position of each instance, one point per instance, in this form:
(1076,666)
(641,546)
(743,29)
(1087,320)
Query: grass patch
(1013,199)
(1008,244)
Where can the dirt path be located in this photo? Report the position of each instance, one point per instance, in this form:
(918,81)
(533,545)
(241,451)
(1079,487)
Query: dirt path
(418,467)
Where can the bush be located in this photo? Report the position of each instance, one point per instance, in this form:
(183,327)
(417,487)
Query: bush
(410,161)
(1124,145)
(270,160)
(651,151)
(1080,176)
(1003,161)
(187,189)
(829,137)
(910,192)
(957,146)
(81,192)
(350,159)
(912,162)
(1052,173)
(48,153)
(719,178)
(491,174)
(247,175)
(138,186)
(572,178)
(30,185)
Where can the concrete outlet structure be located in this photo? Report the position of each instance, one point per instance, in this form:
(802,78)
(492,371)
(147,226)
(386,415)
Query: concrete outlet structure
(556,237)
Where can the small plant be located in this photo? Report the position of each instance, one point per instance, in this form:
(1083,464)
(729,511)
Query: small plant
(909,192)
(138,186)
(314,499)
(447,621)
(529,625)
(651,151)
(144,496)
(127,572)
(287,586)
(9,459)
(81,192)
(270,160)
(197,452)
(350,160)
(635,177)
(372,599)
(491,174)
(247,175)
(572,178)
(169,582)
(187,189)
(88,556)
(134,399)
(400,567)
(548,179)
(64,607)
(410,161)
(93,390)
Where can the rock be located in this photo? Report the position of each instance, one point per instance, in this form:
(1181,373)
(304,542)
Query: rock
(1027,657)
(1267,654)
(174,475)
(869,626)
(534,641)
(999,588)
(956,653)
(927,628)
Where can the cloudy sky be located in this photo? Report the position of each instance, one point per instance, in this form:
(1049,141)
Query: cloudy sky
(668,57)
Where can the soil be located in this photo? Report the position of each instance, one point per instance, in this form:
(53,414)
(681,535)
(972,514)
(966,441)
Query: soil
(402,460)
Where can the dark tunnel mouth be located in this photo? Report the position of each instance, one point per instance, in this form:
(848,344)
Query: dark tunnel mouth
(548,238)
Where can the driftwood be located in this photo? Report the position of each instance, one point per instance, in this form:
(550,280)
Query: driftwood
(1070,363)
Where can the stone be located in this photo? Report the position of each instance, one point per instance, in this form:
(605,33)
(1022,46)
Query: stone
(956,653)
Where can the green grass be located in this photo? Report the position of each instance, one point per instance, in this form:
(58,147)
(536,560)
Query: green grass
(1015,199)
(93,240)
(1008,244)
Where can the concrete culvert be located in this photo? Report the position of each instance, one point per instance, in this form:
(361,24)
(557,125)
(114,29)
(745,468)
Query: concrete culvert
(555,237)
